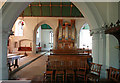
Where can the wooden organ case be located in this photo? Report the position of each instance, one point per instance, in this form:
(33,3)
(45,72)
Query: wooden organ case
(66,35)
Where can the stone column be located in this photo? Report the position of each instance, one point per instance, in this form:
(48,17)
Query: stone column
(102,54)
(78,36)
(95,47)
(3,55)
(54,38)
(99,49)
(34,43)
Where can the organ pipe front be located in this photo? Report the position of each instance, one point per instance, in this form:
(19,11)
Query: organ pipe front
(66,35)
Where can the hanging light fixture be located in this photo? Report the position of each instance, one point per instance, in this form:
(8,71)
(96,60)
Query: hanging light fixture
(22,22)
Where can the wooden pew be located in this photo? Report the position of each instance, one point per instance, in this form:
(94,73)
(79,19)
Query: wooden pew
(56,62)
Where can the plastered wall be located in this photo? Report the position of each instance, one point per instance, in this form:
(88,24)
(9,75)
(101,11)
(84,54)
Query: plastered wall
(32,24)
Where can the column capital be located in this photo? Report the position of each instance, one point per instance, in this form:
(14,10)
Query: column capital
(97,31)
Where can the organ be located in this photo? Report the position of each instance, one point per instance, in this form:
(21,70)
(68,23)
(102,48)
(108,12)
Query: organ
(66,35)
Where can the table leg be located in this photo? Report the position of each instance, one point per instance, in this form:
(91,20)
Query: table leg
(9,66)
(16,63)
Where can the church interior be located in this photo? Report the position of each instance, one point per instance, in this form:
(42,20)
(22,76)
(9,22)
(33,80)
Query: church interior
(47,42)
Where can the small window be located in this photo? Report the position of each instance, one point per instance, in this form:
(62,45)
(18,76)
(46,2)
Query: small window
(19,27)
(51,37)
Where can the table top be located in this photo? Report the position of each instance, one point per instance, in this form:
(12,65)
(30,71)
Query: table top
(11,54)
(12,57)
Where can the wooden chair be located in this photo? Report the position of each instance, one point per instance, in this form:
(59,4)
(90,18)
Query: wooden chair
(58,75)
(94,74)
(70,70)
(51,65)
(70,74)
(48,76)
(58,65)
(81,69)
(113,75)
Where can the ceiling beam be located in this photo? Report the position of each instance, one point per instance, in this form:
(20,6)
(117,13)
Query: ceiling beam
(50,9)
(61,9)
(30,9)
(80,14)
(40,9)
(22,14)
(71,9)
(50,5)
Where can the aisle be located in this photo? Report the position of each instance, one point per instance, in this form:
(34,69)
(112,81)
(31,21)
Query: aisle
(36,68)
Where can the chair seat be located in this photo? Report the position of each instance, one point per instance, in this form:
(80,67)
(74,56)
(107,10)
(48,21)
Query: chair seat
(48,75)
(59,74)
(70,74)
(49,72)
(92,75)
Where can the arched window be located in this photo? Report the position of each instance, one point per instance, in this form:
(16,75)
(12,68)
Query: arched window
(51,37)
(19,27)
(85,38)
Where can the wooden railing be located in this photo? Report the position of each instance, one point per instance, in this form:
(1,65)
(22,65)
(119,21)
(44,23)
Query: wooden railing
(71,51)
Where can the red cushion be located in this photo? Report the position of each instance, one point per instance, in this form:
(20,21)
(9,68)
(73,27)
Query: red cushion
(24,49)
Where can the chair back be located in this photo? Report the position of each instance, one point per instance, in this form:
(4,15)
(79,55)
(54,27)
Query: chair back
(114,74)
(95,68)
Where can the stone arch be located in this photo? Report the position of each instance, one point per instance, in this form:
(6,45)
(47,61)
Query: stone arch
(35,30)
(11,10)
(90,13)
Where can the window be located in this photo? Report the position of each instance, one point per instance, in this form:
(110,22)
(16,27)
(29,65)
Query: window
(51,37)
(19,28)
(85,38)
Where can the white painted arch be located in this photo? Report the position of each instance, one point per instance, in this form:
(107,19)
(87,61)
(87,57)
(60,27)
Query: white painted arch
(51,24)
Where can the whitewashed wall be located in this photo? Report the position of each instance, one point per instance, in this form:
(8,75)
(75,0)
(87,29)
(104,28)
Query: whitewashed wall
(30,28)
(45,39)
